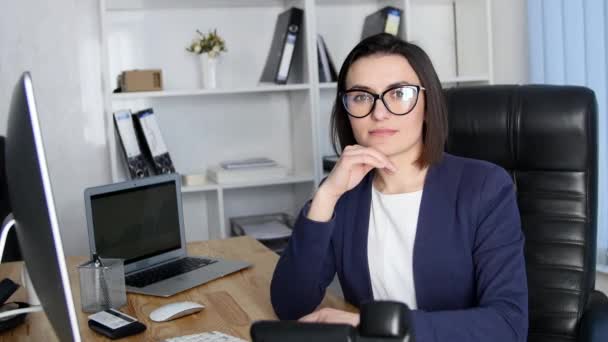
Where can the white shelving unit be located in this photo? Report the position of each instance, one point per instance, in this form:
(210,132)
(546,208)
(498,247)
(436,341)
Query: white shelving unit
(242,118)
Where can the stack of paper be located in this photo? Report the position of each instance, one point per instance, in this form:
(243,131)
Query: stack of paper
(248,163)
(236,175)
(267,230)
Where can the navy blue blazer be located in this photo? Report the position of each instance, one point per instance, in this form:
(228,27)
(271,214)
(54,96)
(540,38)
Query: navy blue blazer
(469,270)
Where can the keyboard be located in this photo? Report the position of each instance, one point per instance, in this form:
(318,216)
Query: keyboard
(166,271)
(213,336)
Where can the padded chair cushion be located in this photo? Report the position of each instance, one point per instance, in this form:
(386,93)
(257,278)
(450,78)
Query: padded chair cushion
(545,136)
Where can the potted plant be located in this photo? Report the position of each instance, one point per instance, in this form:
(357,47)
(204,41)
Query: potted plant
(208,47)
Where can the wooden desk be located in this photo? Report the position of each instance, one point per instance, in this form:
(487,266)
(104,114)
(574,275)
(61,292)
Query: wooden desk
(232,303)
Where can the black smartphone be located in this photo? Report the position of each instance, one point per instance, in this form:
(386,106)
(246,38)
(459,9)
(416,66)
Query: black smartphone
(115,324)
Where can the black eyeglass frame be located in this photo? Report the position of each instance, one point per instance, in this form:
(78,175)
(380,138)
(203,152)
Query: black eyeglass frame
(381,98)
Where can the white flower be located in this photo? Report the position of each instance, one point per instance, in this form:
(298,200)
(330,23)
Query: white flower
(197,48)
(216,49)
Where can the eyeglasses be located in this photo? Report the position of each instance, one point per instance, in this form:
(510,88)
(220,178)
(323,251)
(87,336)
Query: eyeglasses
(399,100)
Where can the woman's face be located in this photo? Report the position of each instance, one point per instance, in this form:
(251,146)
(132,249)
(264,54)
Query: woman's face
(388,133)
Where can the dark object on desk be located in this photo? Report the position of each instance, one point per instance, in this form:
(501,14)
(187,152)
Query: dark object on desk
(283,48)
(387,319)
(12,322)
(381,321)
(7,288)
(546,137)
(115,324)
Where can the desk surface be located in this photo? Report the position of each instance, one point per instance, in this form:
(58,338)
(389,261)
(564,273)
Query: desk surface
(232,303)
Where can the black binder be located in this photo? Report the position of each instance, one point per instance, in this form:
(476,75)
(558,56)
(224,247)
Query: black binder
(137,165)
(327,69)
(283,47)
(385,20)
(155,149)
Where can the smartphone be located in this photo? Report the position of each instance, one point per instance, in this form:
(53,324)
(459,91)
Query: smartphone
(115,324)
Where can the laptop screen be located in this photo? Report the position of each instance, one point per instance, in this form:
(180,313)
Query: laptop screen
(136,223)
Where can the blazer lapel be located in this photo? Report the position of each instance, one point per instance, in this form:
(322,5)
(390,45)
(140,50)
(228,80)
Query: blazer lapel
(356,231)
(429,229)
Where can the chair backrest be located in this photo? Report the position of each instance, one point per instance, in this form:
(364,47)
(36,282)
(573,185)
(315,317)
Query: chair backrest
(11,249)
(546,137)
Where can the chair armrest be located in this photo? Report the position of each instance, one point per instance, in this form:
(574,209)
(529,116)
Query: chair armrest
(594,323)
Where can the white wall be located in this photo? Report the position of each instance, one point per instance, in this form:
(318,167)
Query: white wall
(58,42)
(510,41)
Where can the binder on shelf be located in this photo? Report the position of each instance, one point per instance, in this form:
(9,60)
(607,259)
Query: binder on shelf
(385,20)
(136,162)
(148,132)
(327,69)
(283,46)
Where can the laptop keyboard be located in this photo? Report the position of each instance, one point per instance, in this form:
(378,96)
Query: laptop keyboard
(166,271)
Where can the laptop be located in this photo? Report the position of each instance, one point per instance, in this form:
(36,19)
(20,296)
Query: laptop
(141,221)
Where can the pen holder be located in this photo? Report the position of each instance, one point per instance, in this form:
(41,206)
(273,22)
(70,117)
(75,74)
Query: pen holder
(102,286)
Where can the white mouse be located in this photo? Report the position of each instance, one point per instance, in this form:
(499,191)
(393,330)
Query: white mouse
(175,310)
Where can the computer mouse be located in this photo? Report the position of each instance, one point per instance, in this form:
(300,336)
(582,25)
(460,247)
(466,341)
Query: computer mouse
(175,310)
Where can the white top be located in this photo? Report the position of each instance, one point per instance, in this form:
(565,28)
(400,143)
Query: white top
(390,245)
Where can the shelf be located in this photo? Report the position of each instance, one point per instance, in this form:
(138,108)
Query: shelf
(270,88)
(328,85)
(210,186)
(279,181)
(466,79)
(451,80)
(344,2)
(200,188)
(140,5)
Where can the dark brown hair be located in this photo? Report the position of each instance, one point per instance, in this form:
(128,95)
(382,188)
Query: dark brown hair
(434,131)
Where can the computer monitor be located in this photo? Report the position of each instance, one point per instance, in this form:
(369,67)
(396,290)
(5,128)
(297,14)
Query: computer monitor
(31,199)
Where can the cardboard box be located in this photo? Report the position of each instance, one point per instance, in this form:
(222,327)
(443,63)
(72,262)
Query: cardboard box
(141,80)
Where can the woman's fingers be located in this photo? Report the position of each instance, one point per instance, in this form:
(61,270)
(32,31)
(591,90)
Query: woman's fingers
(311,317)
(363,159)
(382,161)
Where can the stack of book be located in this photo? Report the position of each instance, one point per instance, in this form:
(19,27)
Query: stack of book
(246,170)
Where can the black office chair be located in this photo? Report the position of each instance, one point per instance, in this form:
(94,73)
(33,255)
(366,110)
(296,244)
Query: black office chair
(11,250)
(546,137)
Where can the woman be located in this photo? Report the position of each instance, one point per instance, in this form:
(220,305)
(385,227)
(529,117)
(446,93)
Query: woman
(399,219)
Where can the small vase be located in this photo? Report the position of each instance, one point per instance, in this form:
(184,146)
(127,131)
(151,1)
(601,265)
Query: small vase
(208,71)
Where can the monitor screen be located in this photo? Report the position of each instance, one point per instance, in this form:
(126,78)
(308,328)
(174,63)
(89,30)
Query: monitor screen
(146,214)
